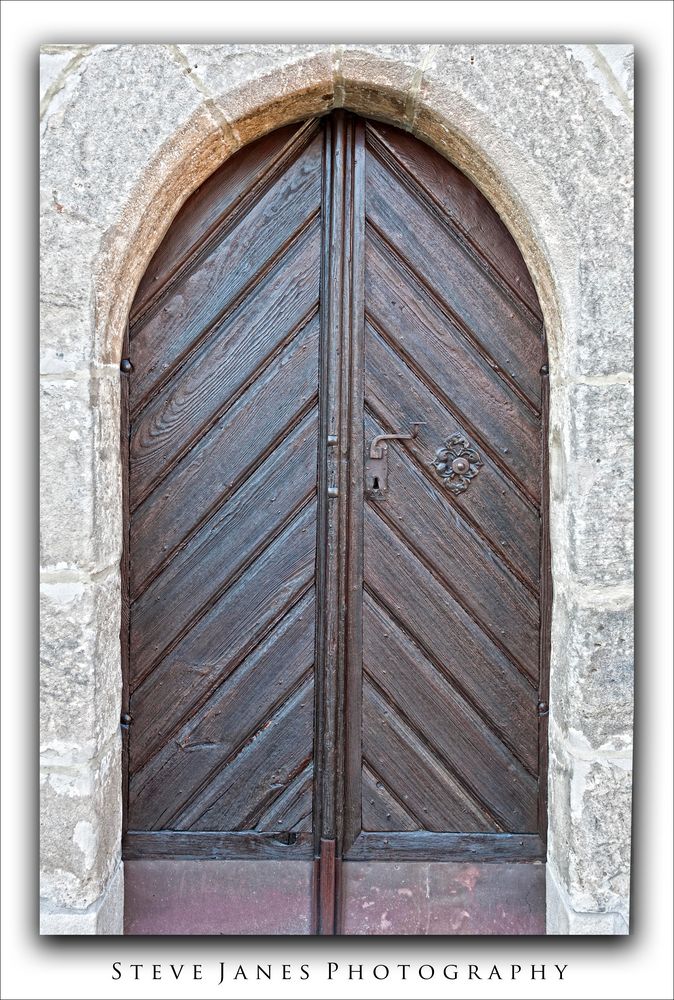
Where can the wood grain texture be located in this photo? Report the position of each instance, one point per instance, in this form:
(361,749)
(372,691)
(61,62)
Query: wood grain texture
(203,568)
(202,481)
(231,629)
(219,279)
(223,445)
(452,620)
(463,205)
(234,714)
(239,795)
(427,788)
(502,331)
(381,809)
(212,203)
(502,515)
(226,364)
(428,702)
(478,581)
(484,403)
(310,671)
(424,844)
(249,845)
(425,610)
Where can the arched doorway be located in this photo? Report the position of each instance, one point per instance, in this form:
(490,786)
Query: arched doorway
(336,564)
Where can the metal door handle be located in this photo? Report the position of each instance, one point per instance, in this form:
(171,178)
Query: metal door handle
(376,449)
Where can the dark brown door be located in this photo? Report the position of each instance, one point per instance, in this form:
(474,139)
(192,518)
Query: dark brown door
(336,558)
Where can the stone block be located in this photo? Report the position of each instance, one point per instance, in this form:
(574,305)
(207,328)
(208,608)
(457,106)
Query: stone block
(54,59)
(80,678)
(592,676)
(611,70)
(620,60)
(260,87)
(590,826)
(380,81)
(80,487)
(56,62)
(80,828)
(107,471)
(104,916)
(125,103)
(68,249)
(599,474)
(561,918)
(59,77)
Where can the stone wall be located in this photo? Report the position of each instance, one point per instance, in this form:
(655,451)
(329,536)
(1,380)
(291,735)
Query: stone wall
(127,133)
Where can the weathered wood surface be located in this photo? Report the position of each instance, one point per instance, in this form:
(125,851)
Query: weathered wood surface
(223,444)
(310,671)
(453,338)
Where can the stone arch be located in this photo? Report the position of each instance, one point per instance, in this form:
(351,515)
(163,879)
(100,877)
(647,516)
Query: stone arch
(202,142)
(107,212)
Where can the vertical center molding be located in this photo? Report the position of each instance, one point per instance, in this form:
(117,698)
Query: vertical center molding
(340,484)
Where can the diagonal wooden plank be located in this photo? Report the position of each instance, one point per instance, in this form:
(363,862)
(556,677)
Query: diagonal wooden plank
(232,449)
(419,510)
(494,687)
(292,809)
(464,206)
(260,772)
(421,739)
(456,278)
(225,365)
(235,711)
(225,192)
(417,328)
(414,774)
(381,809)
(499,512)
(201,571)
(488,451)
(431,705)
(185,678)
(200,297)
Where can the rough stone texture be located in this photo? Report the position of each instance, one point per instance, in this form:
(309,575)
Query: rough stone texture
(80,828)
(600,481)
(54,59)
(590,838)
(380,81)
(563,919)
(611,67)
(620,60)
(66,292)
(104,916)
(129,99)
(126,112)
(56,65)
(80,674)
(128,132)
(80,487)
(253,86)
(594,675)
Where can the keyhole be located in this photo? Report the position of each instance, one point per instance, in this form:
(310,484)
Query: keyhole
(375,483)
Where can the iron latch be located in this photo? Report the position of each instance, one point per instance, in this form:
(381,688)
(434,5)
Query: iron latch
(376,461)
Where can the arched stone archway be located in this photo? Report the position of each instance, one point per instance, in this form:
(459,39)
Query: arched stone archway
(128,133)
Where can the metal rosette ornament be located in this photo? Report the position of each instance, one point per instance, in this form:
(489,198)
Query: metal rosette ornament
(457,462)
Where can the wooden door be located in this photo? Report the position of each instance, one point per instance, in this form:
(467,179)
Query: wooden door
(336,618)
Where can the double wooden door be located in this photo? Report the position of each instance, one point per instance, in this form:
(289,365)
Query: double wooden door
(336,611)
